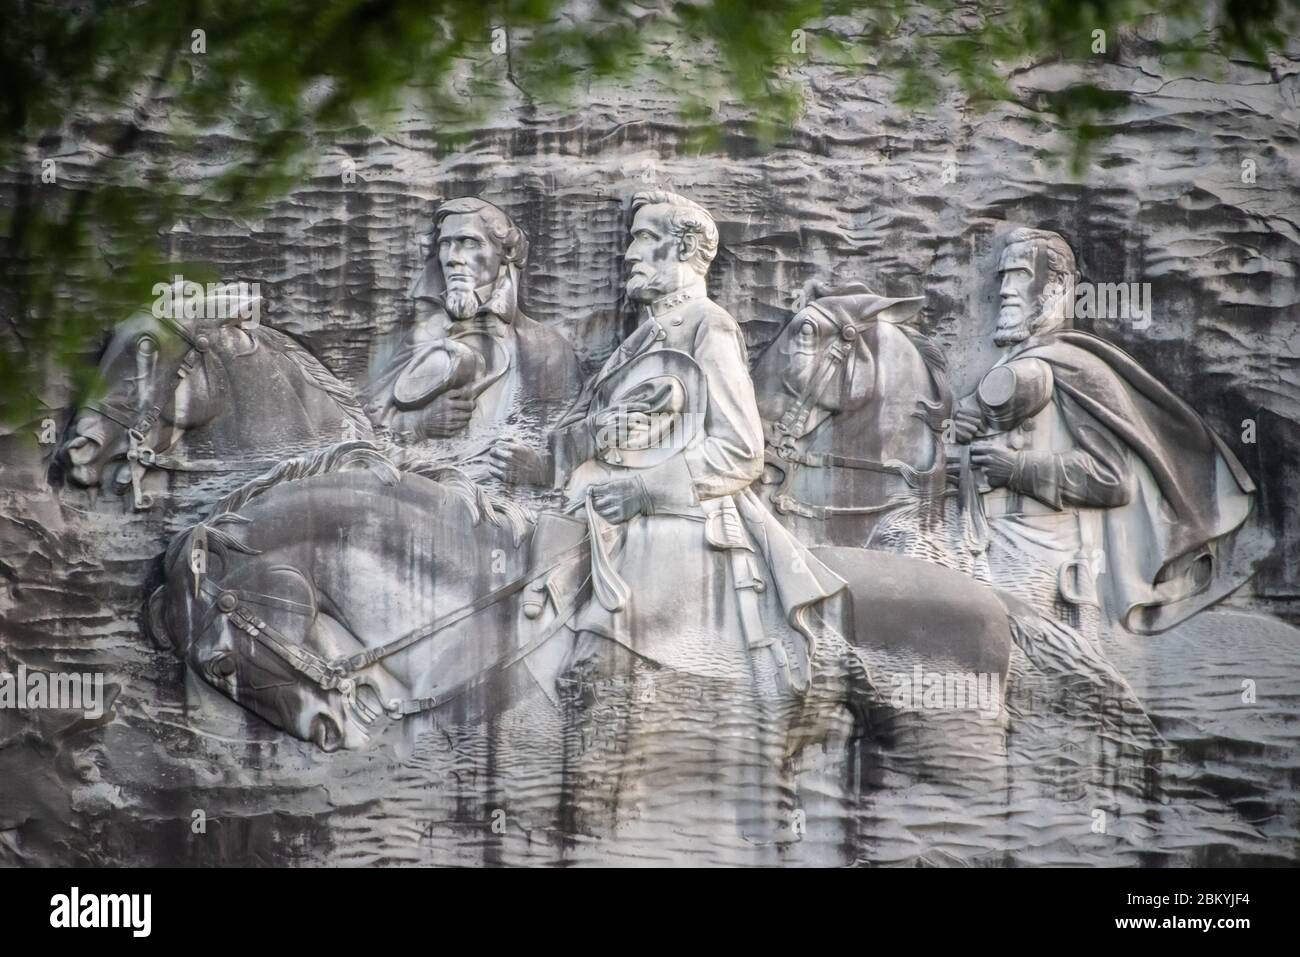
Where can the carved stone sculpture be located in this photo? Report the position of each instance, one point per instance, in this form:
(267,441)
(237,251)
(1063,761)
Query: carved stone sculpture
(289,618)
(1105,494)
(712,577)
(706,592)
(672,561)
(435,643)
(202,385)
(474,368)
(853,400)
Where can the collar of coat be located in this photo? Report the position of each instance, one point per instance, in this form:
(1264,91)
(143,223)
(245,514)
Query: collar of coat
(666,304)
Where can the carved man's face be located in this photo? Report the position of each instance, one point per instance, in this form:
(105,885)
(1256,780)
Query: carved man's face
(656,257)
(1025,278)
(470,259)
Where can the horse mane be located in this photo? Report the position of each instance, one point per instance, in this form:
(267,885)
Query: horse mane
(387,464)
(934,414)
(316,374)
(331,458)
(931,352)
(480,502)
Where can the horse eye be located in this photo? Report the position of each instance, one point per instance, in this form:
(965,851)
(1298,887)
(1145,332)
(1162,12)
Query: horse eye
(146,346)
(809,328)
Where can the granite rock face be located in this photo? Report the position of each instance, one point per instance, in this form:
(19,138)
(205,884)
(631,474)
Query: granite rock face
(1196,191)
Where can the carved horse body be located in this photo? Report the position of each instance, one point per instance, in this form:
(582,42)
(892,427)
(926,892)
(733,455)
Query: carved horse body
(853,401)
(214,392)
(343,587)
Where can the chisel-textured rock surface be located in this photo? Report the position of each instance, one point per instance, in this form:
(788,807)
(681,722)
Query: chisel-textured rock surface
(1196,191)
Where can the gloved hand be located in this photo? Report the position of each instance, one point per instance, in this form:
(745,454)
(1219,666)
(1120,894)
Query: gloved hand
(518,464)
(621,500)
(446,415)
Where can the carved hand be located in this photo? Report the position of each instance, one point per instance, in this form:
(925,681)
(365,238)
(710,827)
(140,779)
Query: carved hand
(445,415)
(518,464)
(620,500)
(952,461)
(998,464)
(966,421)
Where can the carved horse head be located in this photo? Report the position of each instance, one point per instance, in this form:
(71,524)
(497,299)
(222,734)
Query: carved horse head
(344,587)
(852,398)
(180,372)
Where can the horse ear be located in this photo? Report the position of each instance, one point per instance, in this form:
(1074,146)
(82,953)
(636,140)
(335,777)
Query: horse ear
(199,395)
(901,311)
(243,309)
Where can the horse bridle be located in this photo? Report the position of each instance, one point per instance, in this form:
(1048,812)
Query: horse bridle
(340,674)
(140,424)
(783,452)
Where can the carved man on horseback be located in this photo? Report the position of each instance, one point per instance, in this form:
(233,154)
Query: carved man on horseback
(474,367)
(1088,468)
(688,568)
(358,583)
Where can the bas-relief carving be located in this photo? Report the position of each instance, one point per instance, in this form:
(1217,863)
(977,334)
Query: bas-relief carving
(700,512)
(1083,466)
(214,390)
(474,368)
(661,552)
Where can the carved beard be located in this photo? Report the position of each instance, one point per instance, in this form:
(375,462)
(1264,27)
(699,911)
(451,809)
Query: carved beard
(1015,328)
(643,288)
(461,303)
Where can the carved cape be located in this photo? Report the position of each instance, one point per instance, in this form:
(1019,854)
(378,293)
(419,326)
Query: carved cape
(1188,495)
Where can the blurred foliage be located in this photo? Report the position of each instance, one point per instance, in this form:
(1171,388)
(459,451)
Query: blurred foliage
(135,87)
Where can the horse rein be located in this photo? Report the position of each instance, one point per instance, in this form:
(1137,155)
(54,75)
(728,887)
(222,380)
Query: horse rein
(339,674)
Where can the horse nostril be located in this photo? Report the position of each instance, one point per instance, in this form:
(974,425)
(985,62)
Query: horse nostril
(78,455)
(326,734)
(79,451)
